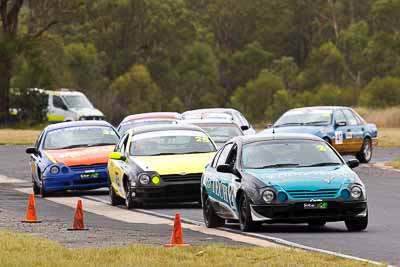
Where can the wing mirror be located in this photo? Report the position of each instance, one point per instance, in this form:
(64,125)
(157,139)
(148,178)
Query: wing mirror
(341,123)
(116,156)
(352,163)
(225,168)
(244,127)
(31,150)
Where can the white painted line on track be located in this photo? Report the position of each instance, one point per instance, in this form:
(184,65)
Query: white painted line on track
(101,207)
(133,216)
(9,180)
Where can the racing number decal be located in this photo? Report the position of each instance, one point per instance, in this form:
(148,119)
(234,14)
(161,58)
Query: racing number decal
(338,137)
(202,139)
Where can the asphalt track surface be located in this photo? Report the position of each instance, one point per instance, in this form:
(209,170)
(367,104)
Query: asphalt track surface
(381,241)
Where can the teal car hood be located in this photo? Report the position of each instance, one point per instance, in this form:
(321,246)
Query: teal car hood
(307,178)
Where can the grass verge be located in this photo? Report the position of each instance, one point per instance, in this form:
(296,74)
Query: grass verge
(394,163)
(389,137)
(18,137)
(26,250)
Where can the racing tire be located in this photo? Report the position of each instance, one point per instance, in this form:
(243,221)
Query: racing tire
(365,154)
(35,187)
(211,220)
(246,222)
(316,223)
(114,198)
(128,199)
(357,224)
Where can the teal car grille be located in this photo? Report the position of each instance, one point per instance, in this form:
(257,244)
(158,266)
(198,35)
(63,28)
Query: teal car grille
(320,193)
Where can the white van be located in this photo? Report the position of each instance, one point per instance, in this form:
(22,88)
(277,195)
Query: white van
(65,105)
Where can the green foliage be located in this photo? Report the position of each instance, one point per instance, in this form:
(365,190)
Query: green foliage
(29,106)
(198,76)
(383,92)
(207,53)
(257,95)
(134,92)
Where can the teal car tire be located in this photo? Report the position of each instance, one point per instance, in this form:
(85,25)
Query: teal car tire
(357,224)
(211,219)
(246,222)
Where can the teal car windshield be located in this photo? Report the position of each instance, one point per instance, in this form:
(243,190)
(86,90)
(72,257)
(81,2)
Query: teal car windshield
(80,137)
(170,143)
(305,117)
(281,154)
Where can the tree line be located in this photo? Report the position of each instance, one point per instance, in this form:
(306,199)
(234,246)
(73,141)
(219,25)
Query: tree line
(260,56)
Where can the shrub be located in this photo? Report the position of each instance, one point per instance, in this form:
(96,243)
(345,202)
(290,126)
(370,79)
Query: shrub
(381,92)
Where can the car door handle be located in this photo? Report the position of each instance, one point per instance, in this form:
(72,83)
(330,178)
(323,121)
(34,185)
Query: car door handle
(349,130)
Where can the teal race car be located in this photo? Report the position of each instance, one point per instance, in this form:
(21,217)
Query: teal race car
(282,178)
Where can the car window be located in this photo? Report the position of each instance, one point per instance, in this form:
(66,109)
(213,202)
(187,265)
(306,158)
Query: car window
(58,102)
(232,156)
(224,154)
(351,119)
(339,116)
(39,140)
(360,120)
(295,153)
(305,116)
(171,142)
(122,144)
(80,136)
(215,159)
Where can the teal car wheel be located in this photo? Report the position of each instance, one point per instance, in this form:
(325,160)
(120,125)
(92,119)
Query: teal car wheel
(246,222)
(211,219)
(357,224)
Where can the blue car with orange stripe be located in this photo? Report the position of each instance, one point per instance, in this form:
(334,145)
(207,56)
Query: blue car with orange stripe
(72,156)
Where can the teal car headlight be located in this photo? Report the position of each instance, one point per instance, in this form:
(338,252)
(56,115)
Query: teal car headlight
(268,196)
(356,192)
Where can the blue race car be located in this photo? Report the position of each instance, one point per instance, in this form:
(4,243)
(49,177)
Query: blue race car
(282,178)
(342,127)
(71,156)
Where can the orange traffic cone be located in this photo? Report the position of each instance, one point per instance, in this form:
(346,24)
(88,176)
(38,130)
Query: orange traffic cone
(177,236)
(31,212)
(78,218)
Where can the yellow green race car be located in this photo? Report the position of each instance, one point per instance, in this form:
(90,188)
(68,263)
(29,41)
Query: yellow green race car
(160,163)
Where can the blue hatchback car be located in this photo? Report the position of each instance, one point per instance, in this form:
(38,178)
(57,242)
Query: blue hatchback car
(342,127)
(282,178)
(71,156)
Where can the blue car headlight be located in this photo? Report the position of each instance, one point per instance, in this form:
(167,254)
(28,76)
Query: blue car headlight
(54,170)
